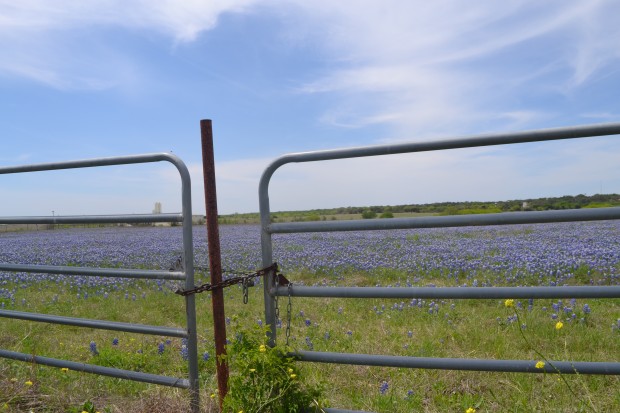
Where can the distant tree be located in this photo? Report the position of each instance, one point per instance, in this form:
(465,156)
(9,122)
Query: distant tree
(386,214)
(368,214)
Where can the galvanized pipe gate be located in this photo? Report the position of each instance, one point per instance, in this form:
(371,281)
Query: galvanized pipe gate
(186,275)
(271,291)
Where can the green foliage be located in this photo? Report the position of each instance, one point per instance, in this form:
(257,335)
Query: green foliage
(265,379)
(88,407)
(369,214)
(387,214)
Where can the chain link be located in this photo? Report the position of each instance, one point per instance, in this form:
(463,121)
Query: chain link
(289,309)
(246,280)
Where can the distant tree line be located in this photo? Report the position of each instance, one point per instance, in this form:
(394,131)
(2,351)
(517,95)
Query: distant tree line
(452,208)
(437,208)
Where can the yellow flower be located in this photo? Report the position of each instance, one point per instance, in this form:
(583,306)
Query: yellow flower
(252,370)
(290,371)
(508,303)
(262,348)
(64,369)
(540,364)
(559,325)
(5,406)
(84,411)
(213,395)
(471,409)
(28,383)
(293,376)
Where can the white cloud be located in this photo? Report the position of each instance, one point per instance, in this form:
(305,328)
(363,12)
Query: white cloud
(448,66)
(56,44)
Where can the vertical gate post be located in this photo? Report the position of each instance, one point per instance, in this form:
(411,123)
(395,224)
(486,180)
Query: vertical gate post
(215,261)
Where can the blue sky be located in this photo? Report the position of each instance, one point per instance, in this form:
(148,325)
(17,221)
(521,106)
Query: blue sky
(103,78)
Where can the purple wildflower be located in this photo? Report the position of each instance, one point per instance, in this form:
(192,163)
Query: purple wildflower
(93,348)
(383,388)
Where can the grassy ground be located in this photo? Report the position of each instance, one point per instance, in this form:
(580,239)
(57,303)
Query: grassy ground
(459,328)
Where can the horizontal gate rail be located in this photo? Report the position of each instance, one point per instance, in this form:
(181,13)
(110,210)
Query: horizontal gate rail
(94,219)
(511,366)
(612,291)
(95,272)
(99,324)
(271,291)
(186,275)
(511,218)
(95,369)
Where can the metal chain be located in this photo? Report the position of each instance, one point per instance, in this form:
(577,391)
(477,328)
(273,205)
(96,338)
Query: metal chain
(245,284)
(246,280)
(289,309)
(276,299)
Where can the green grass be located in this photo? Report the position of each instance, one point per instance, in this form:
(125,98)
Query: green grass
(460,328)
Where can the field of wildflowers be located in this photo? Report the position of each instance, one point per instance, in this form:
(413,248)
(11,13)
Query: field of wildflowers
(550,254)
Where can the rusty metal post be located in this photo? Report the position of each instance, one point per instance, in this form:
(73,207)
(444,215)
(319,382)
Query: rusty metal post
(215,258)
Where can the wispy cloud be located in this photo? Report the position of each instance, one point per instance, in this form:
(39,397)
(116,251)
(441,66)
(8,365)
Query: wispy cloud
(448,66)
(58,43)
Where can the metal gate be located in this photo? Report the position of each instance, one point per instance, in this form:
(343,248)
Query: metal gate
(271,291)
(185,274)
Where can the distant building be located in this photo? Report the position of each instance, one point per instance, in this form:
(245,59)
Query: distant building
(157,209)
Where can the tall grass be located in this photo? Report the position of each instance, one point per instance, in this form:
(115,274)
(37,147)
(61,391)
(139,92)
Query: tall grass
(462,328)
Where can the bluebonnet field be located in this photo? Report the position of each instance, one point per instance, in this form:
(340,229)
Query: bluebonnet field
(550,254)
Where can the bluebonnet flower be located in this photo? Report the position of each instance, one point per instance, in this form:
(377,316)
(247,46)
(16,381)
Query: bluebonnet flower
(409,333)
(383,388)
(327,335)
(308,322)
(309,343)
(115,342)
(410,394)
(160,348)
(349,333)
(205,356)
(586,309)
(259,322)
(93,348)
(554,316)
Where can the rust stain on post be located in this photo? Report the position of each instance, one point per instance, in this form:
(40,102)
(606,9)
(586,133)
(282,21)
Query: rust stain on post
(215,260)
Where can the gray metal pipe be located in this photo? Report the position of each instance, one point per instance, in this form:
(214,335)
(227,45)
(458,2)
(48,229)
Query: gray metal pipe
(89,163)
(94,219)
(95,272)
(99,324)
(453,292)
(506,218)
(94,369)
(514,366)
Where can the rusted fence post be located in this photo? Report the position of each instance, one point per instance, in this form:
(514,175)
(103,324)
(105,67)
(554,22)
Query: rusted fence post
(215,258)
